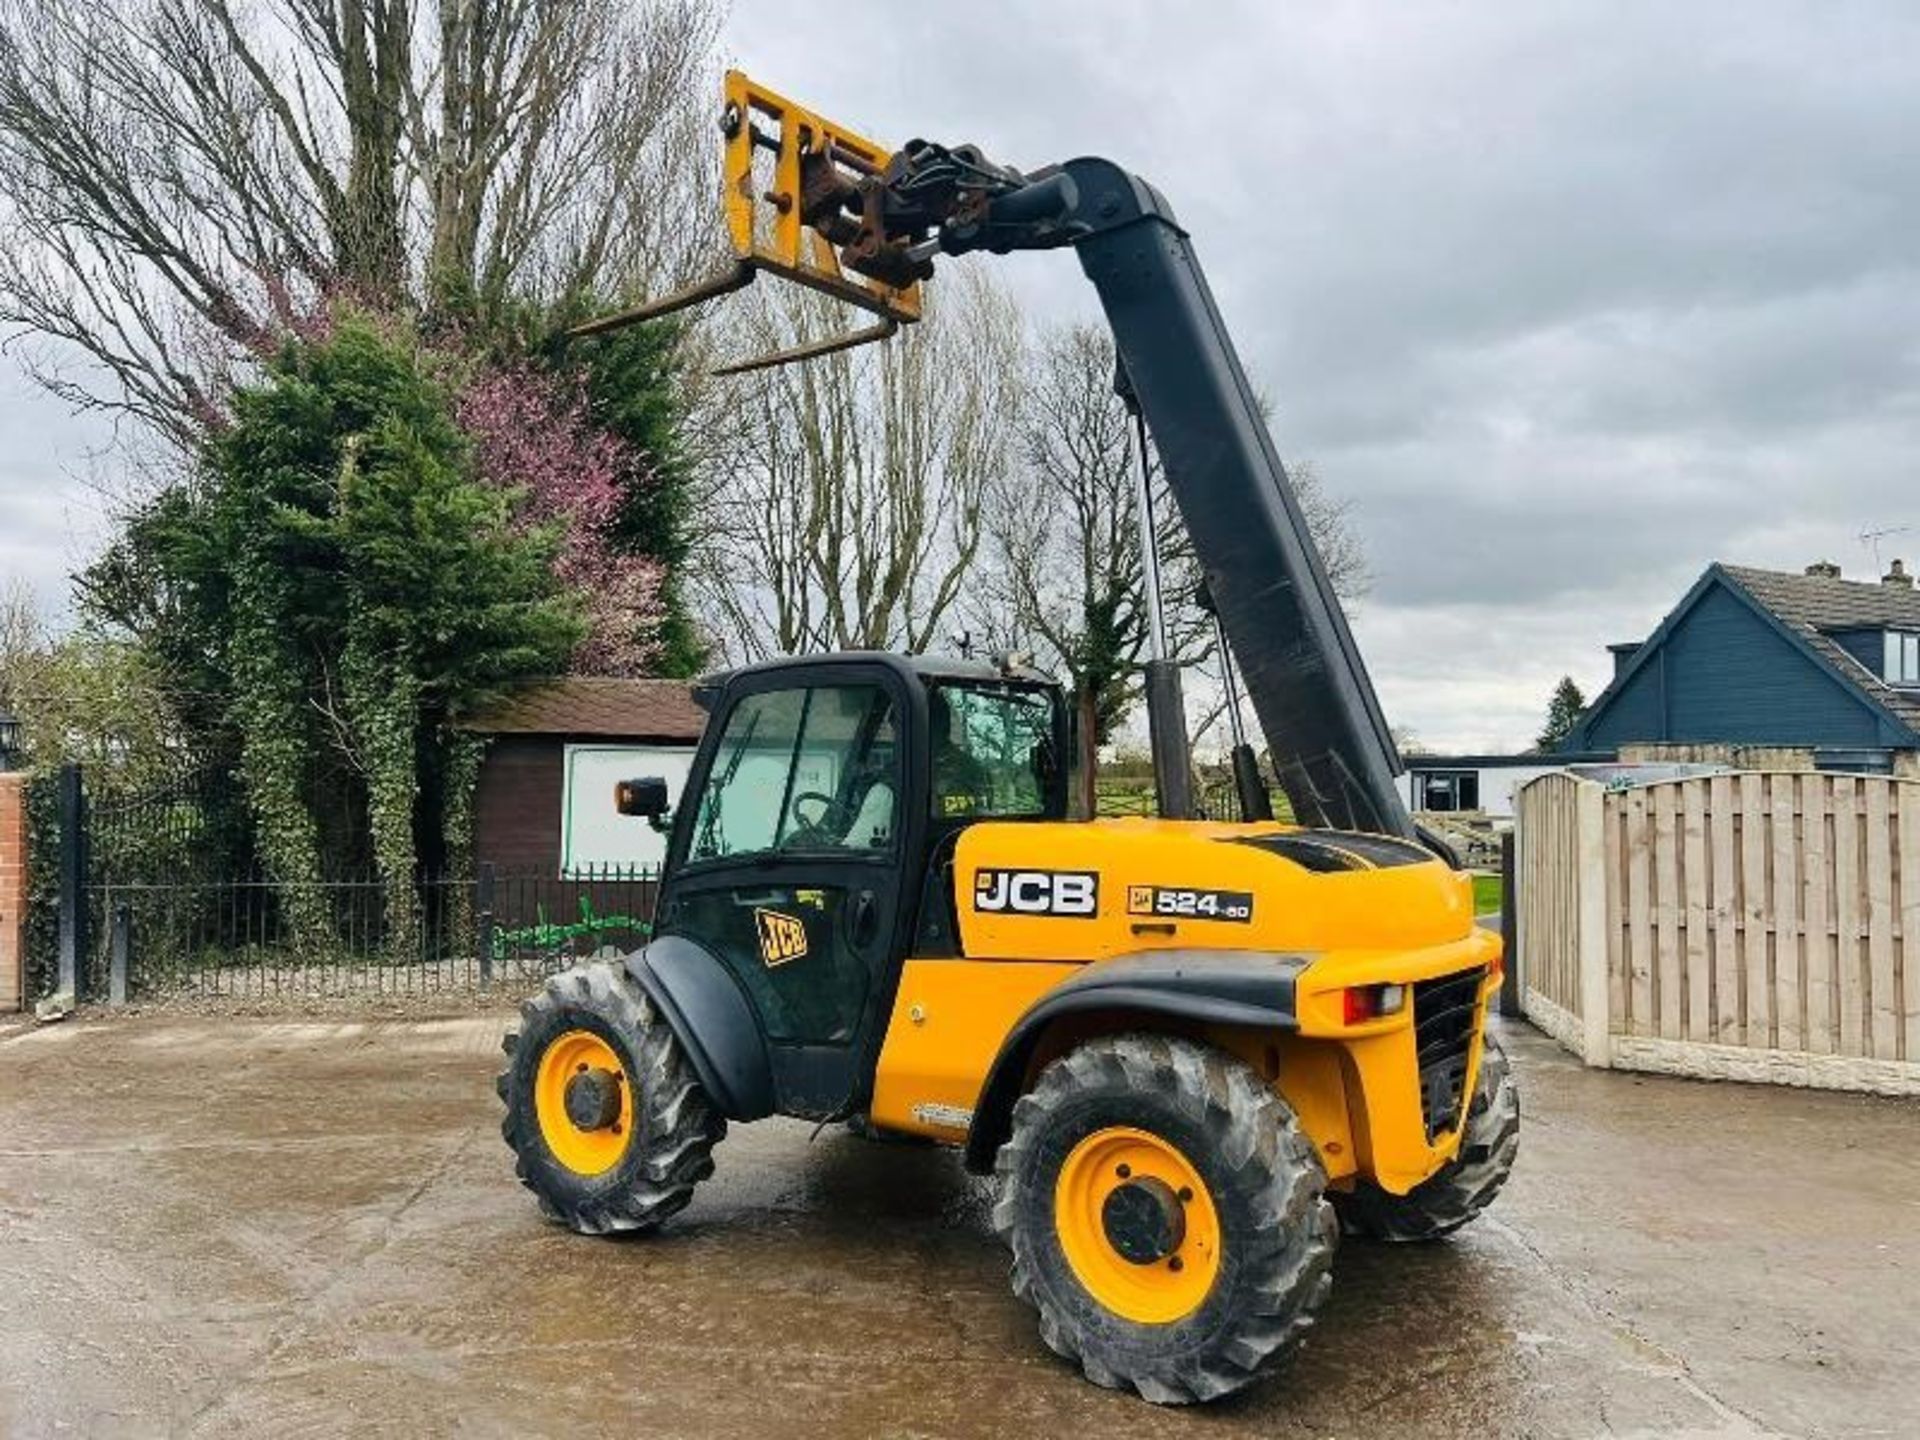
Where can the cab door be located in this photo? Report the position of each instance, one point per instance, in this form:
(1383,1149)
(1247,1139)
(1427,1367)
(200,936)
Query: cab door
(786,865)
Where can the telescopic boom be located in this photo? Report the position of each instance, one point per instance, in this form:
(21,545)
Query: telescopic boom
(845,221)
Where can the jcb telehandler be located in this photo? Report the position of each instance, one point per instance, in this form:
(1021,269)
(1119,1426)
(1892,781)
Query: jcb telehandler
(1189,1053)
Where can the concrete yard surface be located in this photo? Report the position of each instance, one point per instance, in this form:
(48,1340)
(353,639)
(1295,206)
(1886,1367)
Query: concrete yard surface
(233,1227)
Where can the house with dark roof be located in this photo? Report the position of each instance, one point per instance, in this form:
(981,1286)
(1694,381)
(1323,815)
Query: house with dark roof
(554,753)
(1817,669)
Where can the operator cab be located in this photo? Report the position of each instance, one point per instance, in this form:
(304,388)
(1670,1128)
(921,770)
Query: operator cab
(813,846)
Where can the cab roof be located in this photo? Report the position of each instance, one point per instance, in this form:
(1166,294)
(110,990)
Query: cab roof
(924,668)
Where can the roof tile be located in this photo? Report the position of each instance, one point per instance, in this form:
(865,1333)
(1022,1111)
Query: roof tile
(592,705)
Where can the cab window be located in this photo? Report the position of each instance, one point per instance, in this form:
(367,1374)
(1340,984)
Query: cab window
(993,751)
(802,770)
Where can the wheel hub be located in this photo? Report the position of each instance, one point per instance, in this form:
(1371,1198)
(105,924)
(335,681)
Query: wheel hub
(583,1097)
(593,1098)
(1137,1225)
(1143,1220)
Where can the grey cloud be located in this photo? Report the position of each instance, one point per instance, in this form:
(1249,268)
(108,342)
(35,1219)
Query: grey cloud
(1570,299)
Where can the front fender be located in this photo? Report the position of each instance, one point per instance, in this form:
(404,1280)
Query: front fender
(713,1021)
(1216,987)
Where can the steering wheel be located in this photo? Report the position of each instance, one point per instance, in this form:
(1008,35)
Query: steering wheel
(825,828)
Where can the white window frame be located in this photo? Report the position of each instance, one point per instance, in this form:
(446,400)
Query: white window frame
(1902,657)
(594,837)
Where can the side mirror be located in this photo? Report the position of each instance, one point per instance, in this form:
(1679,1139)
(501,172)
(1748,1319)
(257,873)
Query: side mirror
(645,798)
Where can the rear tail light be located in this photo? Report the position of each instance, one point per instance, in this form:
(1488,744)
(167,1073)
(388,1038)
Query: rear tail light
(1361,1003)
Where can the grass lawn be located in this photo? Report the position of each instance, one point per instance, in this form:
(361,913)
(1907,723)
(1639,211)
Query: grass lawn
(1486,894)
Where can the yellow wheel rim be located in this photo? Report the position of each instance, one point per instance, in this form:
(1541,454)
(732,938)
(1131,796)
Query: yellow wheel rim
(1156,1291)
(585,1144)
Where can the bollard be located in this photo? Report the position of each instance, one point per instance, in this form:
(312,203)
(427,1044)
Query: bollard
(122,948)
(73,882)
(483,926)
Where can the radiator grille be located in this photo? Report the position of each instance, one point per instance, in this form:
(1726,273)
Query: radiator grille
(1444,1013)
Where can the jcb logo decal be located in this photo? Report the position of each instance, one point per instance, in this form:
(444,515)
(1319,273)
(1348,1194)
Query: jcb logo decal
(782,938)
(1071,893)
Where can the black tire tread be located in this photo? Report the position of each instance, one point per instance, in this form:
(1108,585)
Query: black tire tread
(1262,1147)
(679,1125)
(1466,1185)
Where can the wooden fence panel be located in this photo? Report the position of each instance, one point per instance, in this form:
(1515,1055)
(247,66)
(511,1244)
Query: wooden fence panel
(1725,915)
(1669,978)
(1640,1017)
(1613,839)
(1850,981)
(1757,926)
(1756,952)
(1697,895)
(1784,910)
(1816,955)
(1907,912)
(1547,908)
(1883,1002)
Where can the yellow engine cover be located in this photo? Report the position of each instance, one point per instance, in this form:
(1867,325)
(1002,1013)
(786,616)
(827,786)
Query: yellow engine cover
(1367,910)
(1088,891)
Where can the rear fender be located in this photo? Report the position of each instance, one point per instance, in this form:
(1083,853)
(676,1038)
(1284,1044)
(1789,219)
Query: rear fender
(1245,988)
(712,1020)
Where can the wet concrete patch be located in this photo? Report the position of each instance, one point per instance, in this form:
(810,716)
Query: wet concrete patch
(231,1227)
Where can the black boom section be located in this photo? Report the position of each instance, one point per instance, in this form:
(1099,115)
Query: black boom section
(1214,987)
(1323,724)
(715,1025)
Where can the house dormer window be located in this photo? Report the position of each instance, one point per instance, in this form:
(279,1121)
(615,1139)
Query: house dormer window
(1903,658)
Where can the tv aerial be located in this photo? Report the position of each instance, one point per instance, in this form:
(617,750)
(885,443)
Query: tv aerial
(1872,538)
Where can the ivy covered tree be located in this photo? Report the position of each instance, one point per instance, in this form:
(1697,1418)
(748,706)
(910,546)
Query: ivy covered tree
(350,583)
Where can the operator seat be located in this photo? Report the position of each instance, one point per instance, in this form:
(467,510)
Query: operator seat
(872,826)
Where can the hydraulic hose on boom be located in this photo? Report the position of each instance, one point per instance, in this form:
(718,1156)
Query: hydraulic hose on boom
(847,222)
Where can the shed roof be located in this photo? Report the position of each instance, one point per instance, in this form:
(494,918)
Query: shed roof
(1815,607)
(593,705)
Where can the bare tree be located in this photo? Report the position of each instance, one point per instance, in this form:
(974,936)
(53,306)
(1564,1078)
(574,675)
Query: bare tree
(849,510)
(186,179)
(1065,575)
(1330,522)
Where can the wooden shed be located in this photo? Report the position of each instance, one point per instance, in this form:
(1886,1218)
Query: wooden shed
(554,753)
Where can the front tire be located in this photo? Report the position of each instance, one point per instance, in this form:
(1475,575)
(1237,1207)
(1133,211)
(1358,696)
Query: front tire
(1466,1184)
(609,1126)
(1166,1216)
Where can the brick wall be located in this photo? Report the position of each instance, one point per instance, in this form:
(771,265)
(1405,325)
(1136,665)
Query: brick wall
(13,891)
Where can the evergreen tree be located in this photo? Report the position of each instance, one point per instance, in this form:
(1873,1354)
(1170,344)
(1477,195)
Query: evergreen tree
(1563,710)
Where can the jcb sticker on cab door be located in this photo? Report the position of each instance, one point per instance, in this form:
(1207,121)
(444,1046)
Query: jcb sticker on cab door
(1234,905)
(1074,894)
(782,937)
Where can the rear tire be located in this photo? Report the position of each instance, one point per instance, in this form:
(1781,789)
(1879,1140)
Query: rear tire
(1466,1185)
(1254,1232)
(637,1164)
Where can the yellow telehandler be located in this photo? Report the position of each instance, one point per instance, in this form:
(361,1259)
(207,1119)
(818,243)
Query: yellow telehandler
(1189,1053)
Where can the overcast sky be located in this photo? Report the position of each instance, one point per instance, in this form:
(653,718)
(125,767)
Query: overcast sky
(1569,300)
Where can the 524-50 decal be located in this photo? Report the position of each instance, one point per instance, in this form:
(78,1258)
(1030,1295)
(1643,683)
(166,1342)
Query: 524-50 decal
(1177,901)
